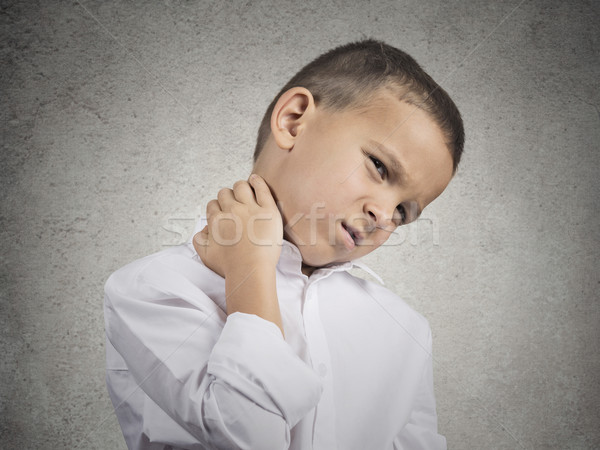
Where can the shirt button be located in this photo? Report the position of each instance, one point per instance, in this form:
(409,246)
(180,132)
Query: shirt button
(322,369)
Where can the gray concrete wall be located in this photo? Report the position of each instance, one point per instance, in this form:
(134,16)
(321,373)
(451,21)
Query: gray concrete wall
(121,119)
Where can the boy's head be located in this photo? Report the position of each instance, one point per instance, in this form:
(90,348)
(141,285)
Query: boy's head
(350,75)
(357,143)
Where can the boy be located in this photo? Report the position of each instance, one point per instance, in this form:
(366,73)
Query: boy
(254,335)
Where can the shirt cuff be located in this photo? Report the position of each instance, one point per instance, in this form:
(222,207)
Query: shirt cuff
(252,357)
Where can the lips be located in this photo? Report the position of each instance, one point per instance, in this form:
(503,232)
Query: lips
(351,236)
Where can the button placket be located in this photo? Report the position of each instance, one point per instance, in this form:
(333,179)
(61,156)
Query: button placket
(324,436)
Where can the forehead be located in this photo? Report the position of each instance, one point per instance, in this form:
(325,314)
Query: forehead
(389,113)
(388,118)
(413,142)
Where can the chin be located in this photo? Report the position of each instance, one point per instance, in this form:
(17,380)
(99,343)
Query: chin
(314,258)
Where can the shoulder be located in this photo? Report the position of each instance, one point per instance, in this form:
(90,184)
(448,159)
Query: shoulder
(140,268)
(176,271)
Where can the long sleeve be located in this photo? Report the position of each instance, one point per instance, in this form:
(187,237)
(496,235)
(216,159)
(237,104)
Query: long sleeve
(229,382)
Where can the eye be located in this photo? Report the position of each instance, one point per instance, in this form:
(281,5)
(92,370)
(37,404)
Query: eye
(400,216)
(379,166)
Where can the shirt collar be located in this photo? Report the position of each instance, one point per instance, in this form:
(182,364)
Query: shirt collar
(291,259)
(291,262)
(361,265)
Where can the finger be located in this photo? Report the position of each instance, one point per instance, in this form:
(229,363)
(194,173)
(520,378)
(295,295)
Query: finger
(225,198)
(212,209)
(243,192)
(201,237)
(201,240)
(262,191)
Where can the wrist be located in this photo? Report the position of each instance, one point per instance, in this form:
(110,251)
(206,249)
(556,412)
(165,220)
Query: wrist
(252,290)
(256,268)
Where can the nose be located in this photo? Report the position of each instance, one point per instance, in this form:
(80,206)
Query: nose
(380,215)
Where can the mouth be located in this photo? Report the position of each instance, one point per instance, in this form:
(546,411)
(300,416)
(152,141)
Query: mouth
(351,236)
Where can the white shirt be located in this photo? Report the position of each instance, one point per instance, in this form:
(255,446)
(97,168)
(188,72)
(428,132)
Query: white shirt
(353,372)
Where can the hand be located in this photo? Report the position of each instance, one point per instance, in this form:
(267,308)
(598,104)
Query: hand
(244,229)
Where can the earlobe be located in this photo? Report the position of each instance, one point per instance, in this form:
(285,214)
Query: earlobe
(289,116)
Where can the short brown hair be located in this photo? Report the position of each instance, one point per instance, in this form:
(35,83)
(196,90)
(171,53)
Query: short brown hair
(349,75)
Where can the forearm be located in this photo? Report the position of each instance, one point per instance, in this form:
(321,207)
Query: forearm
(252,290)
(224,381)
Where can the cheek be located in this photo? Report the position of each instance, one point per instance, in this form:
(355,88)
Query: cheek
(323,195)
(378,239)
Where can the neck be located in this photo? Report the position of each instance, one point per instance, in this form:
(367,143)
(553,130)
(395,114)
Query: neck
(308,270)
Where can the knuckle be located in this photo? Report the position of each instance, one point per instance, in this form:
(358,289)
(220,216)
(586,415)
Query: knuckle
(238,209)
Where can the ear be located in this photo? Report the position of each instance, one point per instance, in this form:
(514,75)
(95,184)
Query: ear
(290,116)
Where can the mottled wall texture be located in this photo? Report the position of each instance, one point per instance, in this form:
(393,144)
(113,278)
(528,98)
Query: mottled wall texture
(120,120)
